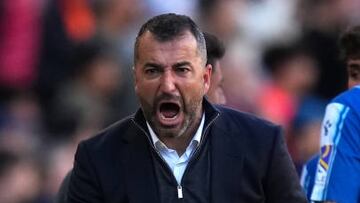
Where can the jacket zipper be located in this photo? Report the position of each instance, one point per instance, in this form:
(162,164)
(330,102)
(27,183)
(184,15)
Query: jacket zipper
(179,191)
(163,162)
(179,187)
(200,145)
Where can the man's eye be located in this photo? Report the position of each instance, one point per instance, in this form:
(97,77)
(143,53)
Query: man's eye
(354,72)
(182,69)
(151,71)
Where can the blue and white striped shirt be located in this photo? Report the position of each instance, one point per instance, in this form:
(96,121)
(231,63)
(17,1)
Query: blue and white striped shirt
(337,176)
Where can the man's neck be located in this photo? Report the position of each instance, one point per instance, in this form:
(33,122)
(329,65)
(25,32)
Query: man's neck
(180,143)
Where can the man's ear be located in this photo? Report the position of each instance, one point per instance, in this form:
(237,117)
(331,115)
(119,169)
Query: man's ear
(207,77)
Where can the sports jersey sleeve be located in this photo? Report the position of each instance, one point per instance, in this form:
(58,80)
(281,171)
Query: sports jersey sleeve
(337,173)
(308,175)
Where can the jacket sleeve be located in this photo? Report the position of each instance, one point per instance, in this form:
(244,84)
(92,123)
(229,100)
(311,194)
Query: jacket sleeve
(84,186)
(61,197)
(282,182)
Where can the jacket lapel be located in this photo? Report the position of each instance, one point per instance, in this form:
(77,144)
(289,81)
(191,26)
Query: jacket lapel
(226,164)
(226,167)
(226,157)
(140,178)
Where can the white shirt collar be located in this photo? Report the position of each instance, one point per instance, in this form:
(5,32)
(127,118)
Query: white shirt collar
(196,138)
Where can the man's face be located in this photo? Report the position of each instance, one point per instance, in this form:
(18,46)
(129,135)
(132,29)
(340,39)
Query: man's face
(170,81)
(353,67)
(216,92)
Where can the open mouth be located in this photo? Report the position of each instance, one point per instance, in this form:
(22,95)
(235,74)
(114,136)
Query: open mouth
(169,111)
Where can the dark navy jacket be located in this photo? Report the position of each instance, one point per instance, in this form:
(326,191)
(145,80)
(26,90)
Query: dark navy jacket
(248,162)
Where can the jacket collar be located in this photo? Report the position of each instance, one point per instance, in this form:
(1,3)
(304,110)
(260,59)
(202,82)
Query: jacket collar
(139,163)
(226,157)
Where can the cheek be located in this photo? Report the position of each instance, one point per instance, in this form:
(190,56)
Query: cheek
(352,83)
(145,97)
(193,92)
(144,91)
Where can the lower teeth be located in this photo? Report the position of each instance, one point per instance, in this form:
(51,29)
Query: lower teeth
(168,118)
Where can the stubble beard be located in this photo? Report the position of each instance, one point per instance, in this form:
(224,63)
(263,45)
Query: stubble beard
(191,119)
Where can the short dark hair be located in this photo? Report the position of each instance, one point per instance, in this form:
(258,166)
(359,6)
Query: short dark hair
(167,27)
(85,53)
(215,49)
(350,43)
(276,55)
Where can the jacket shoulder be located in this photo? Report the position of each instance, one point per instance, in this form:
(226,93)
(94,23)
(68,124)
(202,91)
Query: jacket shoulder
(98,161)
(232,118)
(110,137)
(247,130)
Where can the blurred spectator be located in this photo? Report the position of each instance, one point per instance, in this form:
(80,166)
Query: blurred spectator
(293,73)
(286,98)
(116,24)
(322,20)
(115,18)
(186,7)
(20,29)
(215,51)
(85,100)
(337,174)
(59,163)
(58,42)
(20,179)
(78,19)
(242,73)
(221,17)
(243,76)
(266,22)
(20,126)
(21,174)
(305,129)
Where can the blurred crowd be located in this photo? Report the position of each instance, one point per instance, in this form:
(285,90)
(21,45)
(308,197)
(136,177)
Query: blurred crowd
(66,72)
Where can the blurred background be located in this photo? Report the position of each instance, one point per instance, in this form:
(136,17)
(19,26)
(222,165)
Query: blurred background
(65,73)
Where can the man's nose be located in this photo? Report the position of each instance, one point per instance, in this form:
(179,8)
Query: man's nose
(167,82)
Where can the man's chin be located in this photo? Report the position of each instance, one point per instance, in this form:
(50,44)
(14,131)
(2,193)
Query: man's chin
(168,132)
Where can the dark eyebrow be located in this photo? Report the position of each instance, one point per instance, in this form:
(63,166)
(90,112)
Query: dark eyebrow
(182,63)
(155,65)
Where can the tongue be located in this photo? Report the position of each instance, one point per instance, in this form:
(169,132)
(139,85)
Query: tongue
(169,113)
(169,110)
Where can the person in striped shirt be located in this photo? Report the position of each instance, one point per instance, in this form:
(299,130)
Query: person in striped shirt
(336,176)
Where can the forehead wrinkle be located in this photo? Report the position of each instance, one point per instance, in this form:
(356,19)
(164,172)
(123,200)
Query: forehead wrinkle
(185,35)
(162,51)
